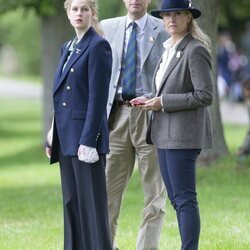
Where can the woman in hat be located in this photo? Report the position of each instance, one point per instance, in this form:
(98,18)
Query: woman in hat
(180,124)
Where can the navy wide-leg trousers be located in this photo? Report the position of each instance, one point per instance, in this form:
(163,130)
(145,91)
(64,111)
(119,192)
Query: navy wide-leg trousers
(86,225)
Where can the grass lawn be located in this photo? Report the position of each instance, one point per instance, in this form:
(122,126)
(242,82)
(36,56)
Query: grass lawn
(30,194)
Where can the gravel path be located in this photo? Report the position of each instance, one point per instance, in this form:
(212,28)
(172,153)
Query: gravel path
(13,88)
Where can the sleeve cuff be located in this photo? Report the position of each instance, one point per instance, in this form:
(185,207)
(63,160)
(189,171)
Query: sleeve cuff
(162,109)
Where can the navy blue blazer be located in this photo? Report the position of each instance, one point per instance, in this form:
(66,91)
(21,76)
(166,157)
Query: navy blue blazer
(80,96)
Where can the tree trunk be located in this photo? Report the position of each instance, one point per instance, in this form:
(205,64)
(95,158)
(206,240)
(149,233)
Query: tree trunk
(55,31)
(208,22)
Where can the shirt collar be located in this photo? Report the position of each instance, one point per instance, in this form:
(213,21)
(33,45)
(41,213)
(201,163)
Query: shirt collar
(140,22)
(167,44)
(73,44)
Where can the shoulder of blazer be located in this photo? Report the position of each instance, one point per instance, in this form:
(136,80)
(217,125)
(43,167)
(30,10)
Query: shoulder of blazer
(91,38)
(192,44)
(156,21)
(187,40)
(109,24)
(157,25)
(66,45)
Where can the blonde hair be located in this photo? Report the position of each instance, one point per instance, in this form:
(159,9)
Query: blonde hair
(94,8)
(198,34)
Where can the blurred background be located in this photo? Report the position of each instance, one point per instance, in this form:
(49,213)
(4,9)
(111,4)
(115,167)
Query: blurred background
(31,35)
(32,32)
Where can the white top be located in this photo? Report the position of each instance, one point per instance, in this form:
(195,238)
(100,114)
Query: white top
(170,50)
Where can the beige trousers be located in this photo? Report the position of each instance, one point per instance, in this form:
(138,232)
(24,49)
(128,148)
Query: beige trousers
(127,143)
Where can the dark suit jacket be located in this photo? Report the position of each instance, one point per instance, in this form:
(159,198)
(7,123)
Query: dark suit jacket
(80,96)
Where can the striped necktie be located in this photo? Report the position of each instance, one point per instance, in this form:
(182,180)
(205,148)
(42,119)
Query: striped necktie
(129,75)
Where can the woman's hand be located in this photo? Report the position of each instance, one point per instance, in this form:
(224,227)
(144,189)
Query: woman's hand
(138,101)
(48,151)
(152,104)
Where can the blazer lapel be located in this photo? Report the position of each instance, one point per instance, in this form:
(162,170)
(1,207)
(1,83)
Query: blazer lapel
(62,61)
(150,34)
(174,61)
(119,35)
(80,49)
(153,84)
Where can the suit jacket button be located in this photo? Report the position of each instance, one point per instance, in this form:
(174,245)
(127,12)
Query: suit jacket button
(68,87)
(72,70)
(64,104)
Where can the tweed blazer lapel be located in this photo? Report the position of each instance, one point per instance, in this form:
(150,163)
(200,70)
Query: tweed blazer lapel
(174,61)
(81,48)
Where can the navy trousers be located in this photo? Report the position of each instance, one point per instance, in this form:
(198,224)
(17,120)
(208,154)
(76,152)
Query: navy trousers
(178,173)
(86,225)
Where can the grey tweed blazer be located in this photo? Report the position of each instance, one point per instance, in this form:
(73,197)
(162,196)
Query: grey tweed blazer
(187,91)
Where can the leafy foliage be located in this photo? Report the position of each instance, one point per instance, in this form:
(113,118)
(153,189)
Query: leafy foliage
(233,16)
(108,8)
(42,7)
(237,9)
(16,31)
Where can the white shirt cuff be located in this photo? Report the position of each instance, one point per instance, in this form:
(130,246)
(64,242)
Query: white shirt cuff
(162,109)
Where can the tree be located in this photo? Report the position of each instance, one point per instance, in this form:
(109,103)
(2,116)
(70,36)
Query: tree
(54,31)
(209,23)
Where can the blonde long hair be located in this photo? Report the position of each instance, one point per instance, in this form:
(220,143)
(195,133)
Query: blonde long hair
(198,34)
(94,8)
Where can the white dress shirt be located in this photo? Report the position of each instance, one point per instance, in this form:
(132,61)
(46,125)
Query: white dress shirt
(141,23)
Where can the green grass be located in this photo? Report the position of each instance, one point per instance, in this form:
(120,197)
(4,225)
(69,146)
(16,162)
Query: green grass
(30,194)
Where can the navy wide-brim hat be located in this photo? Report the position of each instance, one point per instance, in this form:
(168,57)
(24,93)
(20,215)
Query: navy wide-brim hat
(176,5)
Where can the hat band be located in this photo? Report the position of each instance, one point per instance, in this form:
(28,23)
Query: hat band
(173,5)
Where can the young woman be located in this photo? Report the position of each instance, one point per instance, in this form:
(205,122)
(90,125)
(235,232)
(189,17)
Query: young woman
(80,130)
(180,123)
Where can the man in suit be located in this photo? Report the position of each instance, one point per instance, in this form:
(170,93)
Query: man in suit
(127,124)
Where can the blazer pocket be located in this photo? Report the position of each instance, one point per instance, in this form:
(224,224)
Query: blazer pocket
(81,115)
(183,126)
